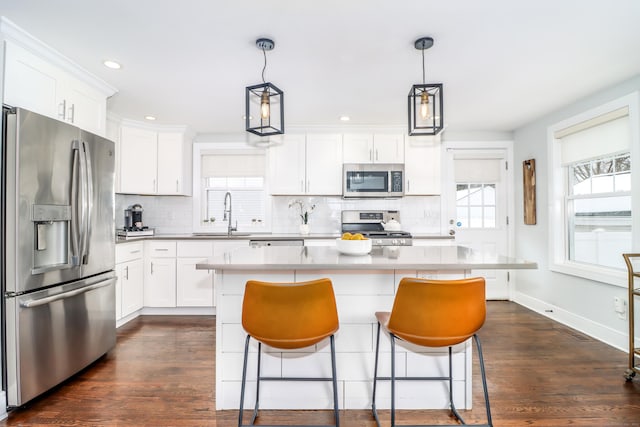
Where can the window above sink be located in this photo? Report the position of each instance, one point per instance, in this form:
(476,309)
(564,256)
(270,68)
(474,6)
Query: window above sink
(239,171)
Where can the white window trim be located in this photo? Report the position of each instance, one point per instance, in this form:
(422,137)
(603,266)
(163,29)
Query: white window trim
(557,178)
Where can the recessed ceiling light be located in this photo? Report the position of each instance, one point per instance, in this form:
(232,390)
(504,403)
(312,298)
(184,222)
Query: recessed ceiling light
(345,118)
(112,64)
(151,118)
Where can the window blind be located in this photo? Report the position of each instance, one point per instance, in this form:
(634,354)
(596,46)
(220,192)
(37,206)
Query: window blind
(601,136)
(477,170)
(229,165)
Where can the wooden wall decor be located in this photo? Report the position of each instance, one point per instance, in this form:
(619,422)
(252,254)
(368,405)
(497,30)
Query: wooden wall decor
(529,185)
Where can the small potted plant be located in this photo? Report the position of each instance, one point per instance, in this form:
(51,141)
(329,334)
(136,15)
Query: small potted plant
(304,213)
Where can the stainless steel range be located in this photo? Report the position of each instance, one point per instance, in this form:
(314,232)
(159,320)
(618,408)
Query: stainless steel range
(382,227)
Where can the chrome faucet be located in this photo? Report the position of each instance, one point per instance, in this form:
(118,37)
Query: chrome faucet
(227,210)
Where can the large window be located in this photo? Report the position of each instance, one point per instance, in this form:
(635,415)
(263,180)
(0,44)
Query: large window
(599,210)
(229,179)
(591,222)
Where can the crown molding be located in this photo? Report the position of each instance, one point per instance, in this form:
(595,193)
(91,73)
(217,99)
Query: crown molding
(14,34)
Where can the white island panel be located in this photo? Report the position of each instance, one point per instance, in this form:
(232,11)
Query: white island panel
(362,285)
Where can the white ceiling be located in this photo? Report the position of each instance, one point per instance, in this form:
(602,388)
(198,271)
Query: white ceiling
(503,63)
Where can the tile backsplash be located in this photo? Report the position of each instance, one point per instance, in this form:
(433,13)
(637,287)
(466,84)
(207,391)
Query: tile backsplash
(173,214)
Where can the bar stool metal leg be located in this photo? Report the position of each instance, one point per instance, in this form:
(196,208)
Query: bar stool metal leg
(257,406)
(484,380)
(244,380)
(334,377)
(375,378)
(393,379)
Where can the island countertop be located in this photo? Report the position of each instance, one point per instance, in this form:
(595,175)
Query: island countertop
(380,258)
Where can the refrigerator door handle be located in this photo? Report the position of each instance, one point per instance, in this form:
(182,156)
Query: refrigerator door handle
(43,301)
(88,205)
(76,213)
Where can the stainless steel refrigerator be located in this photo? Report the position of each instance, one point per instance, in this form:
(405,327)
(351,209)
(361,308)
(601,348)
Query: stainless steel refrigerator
(58,252)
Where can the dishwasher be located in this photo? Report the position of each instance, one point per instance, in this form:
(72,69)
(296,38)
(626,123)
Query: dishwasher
(284,242)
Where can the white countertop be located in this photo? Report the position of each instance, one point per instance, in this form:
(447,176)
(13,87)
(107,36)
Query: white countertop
(380,258)
(261,236)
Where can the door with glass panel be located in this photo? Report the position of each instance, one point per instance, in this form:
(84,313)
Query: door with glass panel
(477,208)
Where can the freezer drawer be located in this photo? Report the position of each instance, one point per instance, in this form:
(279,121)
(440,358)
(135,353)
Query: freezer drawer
(54,333)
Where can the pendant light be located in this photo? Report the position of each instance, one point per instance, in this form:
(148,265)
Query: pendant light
(264,111)
(425,101)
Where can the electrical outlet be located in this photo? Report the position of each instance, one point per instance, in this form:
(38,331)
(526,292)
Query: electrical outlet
(620,307)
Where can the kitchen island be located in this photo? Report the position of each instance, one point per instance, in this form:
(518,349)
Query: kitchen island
(363,285)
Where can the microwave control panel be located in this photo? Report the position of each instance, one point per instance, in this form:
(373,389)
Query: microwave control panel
(396,181)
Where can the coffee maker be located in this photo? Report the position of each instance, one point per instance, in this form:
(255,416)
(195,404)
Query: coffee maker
(133,218)
(133,225)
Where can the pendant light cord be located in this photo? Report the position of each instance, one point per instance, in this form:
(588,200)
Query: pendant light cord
(422,66)
(264,52)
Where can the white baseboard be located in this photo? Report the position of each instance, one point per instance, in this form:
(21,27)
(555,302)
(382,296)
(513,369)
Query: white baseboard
(595,330)
(169,311)
(179,311)
(3,407)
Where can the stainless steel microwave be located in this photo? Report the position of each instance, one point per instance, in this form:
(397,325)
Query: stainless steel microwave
(372,180)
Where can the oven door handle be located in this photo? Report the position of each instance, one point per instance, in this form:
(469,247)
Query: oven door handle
(47,300)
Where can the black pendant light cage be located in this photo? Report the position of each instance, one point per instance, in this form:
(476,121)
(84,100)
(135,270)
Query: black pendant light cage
(433,123)
(426,113)
(264,103)
(255,123)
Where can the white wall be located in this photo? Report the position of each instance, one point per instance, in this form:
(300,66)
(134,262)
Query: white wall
(583,304)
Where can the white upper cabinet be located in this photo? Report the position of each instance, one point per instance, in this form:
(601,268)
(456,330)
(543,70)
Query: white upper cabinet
(306,164)
(373,148)
(287,165)
(154,162)
(324,164)
(84,106)
(138,165)
(172,173)
(422,166)
(41,80)
(29,82)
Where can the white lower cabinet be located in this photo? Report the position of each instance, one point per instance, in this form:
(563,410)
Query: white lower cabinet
(194,288)
(163,274)
(130,278)
(160,274)
(223,249)
(132,287)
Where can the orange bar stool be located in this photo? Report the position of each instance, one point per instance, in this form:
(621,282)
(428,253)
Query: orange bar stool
(288,316)
(433,313)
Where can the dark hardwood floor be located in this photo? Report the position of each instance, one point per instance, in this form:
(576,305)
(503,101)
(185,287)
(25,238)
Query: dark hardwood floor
(162,374)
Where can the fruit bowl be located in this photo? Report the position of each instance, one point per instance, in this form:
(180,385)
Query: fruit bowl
(353,247)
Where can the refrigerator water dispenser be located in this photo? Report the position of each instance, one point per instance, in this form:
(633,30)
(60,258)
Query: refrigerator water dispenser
(51,237)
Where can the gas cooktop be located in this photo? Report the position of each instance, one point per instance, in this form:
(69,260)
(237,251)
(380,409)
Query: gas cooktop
(371,225)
